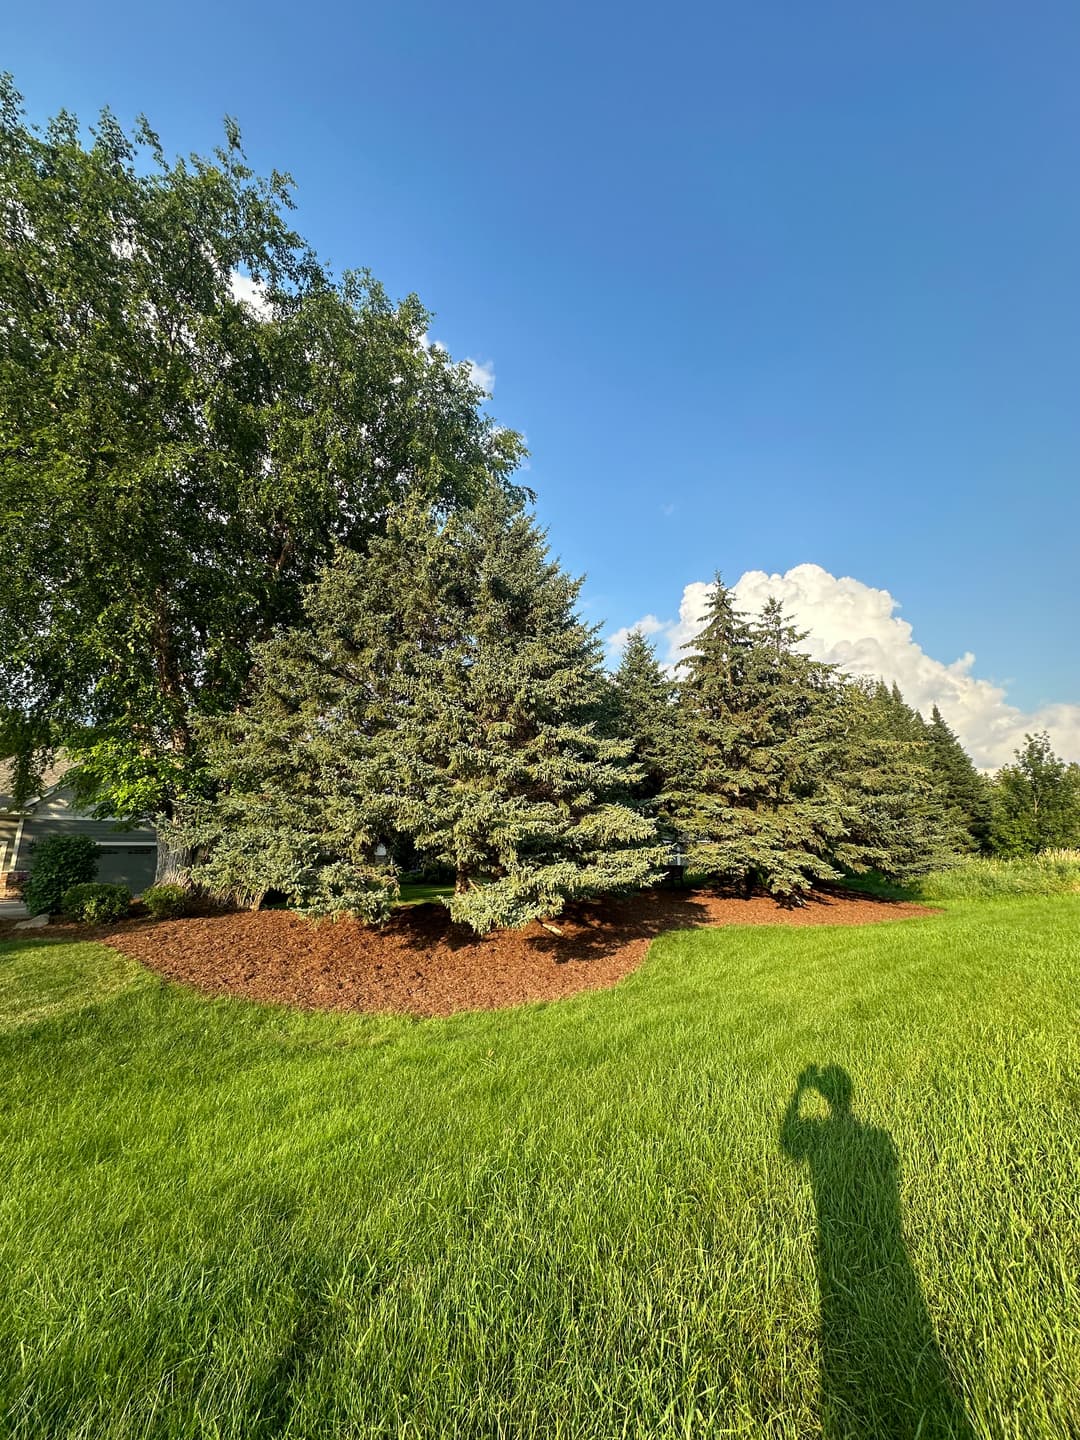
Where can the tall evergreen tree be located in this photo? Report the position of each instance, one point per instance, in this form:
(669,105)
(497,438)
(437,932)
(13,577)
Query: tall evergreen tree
(1036,801)
(760,806)
(902,720)
(713,713)
(646,714)
(963,788)
(445,691)
(895,818)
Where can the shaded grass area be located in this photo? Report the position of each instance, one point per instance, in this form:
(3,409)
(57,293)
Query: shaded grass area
(644,1212)
(421,892)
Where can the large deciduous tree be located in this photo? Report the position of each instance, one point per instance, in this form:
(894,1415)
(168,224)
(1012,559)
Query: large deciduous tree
(1036,801)
(193,416)
(442,692)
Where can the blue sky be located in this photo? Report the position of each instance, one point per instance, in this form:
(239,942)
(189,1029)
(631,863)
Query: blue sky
(764,285)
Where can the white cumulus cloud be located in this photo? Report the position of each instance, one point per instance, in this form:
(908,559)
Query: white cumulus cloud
(855,626)
(482,374)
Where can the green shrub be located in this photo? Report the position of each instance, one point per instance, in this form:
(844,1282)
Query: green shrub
(59,862)
(1054,872)
(95,903)
(165,902)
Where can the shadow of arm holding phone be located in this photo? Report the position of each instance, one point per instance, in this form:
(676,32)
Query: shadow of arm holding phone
(883,1376)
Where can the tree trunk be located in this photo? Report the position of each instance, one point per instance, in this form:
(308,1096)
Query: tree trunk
(173,861)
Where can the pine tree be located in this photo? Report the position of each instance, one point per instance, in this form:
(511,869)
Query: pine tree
(759,806)
(895,821)
(711,700)
(645,713)
(520,777)
(964,789)
(798,801)
(443,693)
(902,720)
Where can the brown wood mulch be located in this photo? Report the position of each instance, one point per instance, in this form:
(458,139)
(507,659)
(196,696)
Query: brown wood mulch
(421,964)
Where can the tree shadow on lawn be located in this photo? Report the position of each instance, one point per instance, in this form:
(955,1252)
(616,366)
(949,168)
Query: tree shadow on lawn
(593,930)
(589,930)
(882,1373)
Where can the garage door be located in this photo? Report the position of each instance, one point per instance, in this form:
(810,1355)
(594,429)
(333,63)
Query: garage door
(130,865)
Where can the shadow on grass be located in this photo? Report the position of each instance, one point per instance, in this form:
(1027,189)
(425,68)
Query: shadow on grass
(882,1371)
(594,930)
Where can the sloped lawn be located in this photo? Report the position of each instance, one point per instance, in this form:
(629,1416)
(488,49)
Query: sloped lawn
(596,1218)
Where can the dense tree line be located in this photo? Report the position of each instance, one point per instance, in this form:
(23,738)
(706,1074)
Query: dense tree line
(270,580)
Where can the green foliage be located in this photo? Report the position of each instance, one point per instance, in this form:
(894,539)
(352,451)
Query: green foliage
(166,902)
(176,463)
(96,903)
(574,1220)
(897,821)
(1053,872)
(1036,801)
(58,863)
(964,790)
(645,713)
(442,692)
(26,743)
(764,795)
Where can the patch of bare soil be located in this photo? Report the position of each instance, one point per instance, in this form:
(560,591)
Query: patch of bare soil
(420,963)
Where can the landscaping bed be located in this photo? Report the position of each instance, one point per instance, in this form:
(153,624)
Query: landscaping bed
(420,963)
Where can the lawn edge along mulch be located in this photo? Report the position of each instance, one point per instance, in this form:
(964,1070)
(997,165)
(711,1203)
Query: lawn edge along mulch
(420,963)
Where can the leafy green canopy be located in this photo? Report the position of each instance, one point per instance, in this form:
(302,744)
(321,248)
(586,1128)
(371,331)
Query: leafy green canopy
(176,463)
(442,693)
(1036,801)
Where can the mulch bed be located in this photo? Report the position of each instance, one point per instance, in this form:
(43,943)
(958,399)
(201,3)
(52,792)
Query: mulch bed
(421,964)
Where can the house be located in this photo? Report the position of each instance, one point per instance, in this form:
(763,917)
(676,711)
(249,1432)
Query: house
(127,854)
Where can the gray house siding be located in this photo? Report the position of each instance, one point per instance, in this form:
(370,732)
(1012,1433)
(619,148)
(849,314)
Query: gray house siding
(126,854)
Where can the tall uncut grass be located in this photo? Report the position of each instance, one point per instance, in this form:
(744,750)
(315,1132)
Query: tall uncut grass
(1054,872)
(803,1184)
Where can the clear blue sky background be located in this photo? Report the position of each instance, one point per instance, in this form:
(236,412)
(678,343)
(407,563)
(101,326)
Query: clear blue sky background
(762,283)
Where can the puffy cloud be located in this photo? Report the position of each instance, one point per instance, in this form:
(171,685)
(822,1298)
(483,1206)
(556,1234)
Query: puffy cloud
(648,625)
(482,374)
(856,627)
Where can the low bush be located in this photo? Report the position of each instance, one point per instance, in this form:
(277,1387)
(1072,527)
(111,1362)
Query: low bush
(1054,872)
(59,862)
(95,903)
(165,902)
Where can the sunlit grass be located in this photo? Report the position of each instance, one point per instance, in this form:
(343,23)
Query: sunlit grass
(1054,872)
(225,1220)
(420,892)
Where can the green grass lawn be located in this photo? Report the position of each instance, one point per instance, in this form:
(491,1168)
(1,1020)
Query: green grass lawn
(420,892)
(594,1218)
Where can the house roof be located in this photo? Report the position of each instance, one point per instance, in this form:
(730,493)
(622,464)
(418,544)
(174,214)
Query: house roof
(52,776)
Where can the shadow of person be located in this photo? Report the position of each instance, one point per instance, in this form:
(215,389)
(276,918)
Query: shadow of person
(883,1376)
